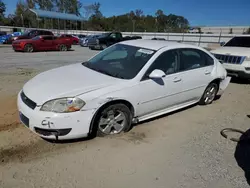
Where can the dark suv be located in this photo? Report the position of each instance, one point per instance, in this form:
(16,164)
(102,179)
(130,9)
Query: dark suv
(30,34)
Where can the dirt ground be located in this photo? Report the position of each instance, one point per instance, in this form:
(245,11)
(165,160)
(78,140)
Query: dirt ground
(179,150)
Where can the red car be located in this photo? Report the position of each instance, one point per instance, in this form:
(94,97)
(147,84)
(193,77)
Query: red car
(74,40)
(29,34)
(42,43)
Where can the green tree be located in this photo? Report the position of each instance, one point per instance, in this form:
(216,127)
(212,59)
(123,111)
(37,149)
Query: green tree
(2,8)
(45,4)
(2,11)
(68,6)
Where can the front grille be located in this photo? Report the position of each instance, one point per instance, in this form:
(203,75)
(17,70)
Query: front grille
(55,132)
(27,101)
(230,58)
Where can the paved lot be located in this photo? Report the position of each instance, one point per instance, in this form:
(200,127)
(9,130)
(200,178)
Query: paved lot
(181,150)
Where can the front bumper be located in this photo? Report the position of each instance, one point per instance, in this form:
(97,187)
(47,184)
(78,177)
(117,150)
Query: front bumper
(237,70)
(49,125)
(17,48)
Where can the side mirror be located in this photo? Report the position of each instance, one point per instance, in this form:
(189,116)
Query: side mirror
(222,43)
(156,74)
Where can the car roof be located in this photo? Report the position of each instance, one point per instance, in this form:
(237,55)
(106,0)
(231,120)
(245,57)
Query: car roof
(156,44)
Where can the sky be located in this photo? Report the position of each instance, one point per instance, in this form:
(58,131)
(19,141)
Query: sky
(198,12)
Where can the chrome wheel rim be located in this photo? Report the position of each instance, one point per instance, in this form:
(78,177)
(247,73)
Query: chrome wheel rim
(112,122)
(210,94)
(63,48)
(29,48)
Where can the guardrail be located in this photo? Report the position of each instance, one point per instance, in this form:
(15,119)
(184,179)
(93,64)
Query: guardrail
(203,40)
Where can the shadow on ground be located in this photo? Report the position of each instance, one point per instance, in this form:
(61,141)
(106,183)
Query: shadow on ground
(240,81)
(242,153)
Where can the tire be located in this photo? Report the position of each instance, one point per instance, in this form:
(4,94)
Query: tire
(209,94)
(63,48)
(113,119)
(28,48)
(103,46)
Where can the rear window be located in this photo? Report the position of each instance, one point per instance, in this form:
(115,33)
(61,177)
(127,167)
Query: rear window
(239,42)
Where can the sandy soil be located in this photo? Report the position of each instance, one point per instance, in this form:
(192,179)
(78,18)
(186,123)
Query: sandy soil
(179,150)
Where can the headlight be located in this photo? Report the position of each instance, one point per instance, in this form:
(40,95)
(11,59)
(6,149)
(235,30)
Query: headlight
(63,105)
(247,58)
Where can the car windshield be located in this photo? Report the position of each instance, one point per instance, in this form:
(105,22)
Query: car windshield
(103,35)
(239,42)
(120,61)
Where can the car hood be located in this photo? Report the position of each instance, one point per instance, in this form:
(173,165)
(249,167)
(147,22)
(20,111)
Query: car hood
(22,40)
(237,51)
(66,81)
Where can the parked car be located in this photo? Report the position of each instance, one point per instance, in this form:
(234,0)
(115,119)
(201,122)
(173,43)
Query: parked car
(133,81)
(235,56)
(80,36)
(130,81)
(84,41)
(42,43)
(74,40)
(5,38)
(29,34)
(107,39)
(2,33)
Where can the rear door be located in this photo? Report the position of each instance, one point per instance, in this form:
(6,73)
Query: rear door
(195,70)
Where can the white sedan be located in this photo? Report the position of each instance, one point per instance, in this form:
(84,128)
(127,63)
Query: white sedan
(126,83)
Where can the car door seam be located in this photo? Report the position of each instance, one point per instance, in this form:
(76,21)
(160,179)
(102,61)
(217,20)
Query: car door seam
(171,95)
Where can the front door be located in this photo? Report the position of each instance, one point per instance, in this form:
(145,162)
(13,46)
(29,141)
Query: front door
(47,43)
(161,93)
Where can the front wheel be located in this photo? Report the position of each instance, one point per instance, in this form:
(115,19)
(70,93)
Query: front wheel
(209,94)
(28,48)
(103,46)
(113,119)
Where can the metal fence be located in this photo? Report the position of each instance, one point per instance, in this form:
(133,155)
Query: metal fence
(203,40)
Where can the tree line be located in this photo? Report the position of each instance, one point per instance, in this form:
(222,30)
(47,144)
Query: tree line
(134,20)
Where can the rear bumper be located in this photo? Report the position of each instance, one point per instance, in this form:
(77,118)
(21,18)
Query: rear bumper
(223,85)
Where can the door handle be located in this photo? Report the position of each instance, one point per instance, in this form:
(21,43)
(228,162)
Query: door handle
(176,79)
(207,72)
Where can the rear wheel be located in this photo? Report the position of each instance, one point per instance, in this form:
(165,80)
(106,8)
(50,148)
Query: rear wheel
(209,94)
(63,47)
(29,48)
(113,119)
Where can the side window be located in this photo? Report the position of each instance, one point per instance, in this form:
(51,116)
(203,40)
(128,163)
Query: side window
(113,35)
(47,33)
(48,38)
(191,59)
(167,62)
(209,60)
